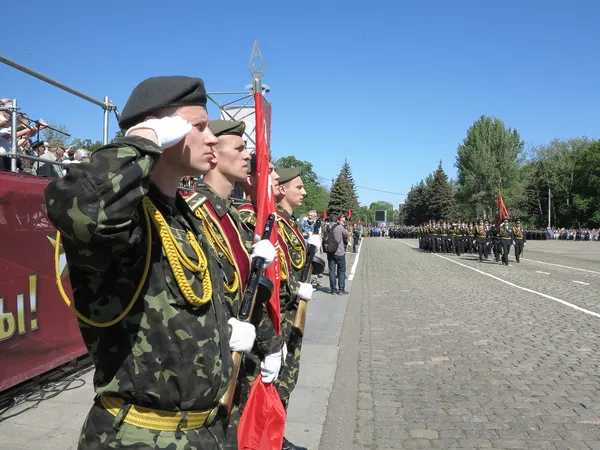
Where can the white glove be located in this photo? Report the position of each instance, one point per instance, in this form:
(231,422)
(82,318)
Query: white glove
(264,249)
(169,130)
(315,239)
(242,337)
(284,351)
(305,291)
(270,367)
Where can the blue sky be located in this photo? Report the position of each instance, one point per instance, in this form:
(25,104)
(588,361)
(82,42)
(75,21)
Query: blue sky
(391,85)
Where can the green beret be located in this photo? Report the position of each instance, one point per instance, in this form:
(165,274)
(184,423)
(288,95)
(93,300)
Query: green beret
(156,93)
(286,175)
(223,127)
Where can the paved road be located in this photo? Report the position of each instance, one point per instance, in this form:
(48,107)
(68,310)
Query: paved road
(438,352)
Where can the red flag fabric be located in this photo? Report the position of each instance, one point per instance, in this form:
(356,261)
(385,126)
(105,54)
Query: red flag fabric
(324,214)
(267,413)
(501,211)
(349,213)
(263,419)
(266,198)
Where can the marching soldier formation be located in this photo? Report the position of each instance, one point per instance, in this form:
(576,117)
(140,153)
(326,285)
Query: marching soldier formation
(479,238)
(158,279)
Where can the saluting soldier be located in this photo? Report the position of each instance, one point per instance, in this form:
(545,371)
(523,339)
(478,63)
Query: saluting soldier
(148,290)
(519,239)
(231,240)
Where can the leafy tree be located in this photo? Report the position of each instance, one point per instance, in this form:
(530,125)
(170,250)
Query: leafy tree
(86,144)
(586,187)
(382,205)
(488,159)
(317,196)
(118,135)
(54,138)
(306,169)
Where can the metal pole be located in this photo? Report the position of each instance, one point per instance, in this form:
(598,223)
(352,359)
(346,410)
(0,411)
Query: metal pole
(106,115)
(39,76)
(549,195)
(13,150)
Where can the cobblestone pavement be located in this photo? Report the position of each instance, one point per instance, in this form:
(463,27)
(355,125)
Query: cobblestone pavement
(437,352)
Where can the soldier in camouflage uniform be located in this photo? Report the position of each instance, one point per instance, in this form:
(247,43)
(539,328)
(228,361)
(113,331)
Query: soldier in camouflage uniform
(290,195)
(148,291)
(231,239)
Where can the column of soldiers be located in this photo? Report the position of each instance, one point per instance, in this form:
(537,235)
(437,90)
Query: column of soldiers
(481,238)
(158,279)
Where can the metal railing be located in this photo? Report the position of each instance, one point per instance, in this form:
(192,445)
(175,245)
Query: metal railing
(106,105)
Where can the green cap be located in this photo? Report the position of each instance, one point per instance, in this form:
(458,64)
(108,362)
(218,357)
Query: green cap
(157,93)
(223,127)
(288,174)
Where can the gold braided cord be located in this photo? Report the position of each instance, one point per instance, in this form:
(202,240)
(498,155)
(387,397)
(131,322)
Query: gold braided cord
(214,241)
(71,305)
(298,248)
(283,264)
(177,257)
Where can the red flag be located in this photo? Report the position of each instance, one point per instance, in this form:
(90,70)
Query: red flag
(349,213)
(263,419)
(324,214)
(501,211)
(263,406)
(266,198)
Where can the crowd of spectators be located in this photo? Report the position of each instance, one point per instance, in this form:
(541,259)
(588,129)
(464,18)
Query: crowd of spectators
(29,143)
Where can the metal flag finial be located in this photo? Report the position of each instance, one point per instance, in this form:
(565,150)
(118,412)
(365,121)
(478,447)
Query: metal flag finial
(256,64)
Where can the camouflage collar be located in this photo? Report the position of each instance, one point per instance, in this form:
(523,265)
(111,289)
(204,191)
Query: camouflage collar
(220,205)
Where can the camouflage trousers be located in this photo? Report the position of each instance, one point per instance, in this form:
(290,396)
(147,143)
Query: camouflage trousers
(102,431)
(249,370)
(290,369)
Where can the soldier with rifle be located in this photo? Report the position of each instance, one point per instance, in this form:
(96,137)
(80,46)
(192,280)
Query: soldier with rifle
(148,291)
(231,240)
(295,289)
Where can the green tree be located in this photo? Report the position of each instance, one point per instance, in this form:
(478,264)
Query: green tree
(306,169)
(54,138)
(346,173)
(488,159)
(440,193)
(382,205)
(86,144)
(586,187)
(343,193)
(118,135)
(317,195)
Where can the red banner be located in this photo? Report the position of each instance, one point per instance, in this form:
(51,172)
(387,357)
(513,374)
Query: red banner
(263,419)
(501,211)
(38,332)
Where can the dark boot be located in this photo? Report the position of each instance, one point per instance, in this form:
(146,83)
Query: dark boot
(287,445)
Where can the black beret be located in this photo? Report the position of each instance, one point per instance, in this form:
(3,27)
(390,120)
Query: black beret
(286,175)
(224,127)
(518,221)
(156,93)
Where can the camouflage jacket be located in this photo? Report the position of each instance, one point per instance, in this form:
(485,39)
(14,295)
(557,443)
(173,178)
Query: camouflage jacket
(214,207)
(267,341)
(294,247)
(165,353)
